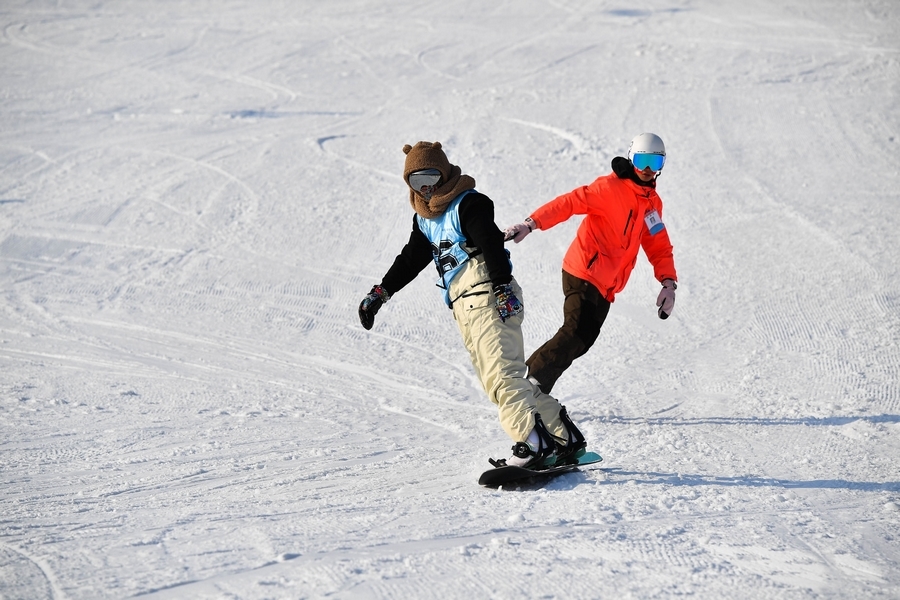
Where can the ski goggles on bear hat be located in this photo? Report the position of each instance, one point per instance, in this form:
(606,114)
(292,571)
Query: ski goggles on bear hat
(424,181)
(643,160)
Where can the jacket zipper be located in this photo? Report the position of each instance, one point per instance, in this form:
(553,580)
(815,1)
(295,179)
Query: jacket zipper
(593,259)
(628,222)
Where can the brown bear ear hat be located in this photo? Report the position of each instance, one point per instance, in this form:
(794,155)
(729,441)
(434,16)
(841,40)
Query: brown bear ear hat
(430,155)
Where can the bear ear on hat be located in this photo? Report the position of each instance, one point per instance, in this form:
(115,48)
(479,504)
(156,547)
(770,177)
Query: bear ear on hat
(436,145)
(406,149)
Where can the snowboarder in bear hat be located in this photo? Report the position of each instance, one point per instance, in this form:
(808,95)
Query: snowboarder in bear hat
(623,214)
(453,228)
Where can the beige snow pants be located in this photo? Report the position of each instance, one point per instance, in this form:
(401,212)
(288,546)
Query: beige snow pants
(497,350)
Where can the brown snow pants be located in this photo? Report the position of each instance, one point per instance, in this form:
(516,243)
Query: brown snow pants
(584,311)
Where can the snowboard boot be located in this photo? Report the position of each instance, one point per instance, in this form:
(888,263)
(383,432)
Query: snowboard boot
(576,445)
(537,452)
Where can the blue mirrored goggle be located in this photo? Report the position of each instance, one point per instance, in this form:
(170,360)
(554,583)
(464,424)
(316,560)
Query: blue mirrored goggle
(654,161)
(424,181)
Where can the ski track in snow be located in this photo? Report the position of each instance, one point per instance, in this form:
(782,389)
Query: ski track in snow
(193,200)
(26,577)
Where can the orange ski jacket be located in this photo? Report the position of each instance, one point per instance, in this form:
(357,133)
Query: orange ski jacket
(606,246)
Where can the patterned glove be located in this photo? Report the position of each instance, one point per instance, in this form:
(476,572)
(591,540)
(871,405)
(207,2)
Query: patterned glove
(518,232)
(370,305)
(507,303)
(666,299)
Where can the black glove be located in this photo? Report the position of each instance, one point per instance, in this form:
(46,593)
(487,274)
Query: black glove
(368,308)
(507,303)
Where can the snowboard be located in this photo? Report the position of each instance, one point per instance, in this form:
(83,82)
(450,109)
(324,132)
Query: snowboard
(507,474)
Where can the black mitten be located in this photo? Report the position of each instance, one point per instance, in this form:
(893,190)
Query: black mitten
(368,308)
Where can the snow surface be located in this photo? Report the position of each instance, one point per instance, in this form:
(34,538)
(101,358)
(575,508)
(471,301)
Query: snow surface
(195,196)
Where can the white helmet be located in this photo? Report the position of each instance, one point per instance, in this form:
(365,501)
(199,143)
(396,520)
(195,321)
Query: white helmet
(647,143)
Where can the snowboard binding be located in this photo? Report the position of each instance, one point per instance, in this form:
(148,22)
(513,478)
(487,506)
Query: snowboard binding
(527,456)
(575,447)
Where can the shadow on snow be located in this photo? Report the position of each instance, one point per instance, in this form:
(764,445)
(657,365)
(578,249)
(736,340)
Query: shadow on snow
(809,421)
(619,476)
(650,477)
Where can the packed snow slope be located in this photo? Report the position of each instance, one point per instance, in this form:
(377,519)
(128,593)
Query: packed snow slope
(195,196)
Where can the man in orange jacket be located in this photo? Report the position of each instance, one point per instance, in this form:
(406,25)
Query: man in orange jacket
(623,213)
